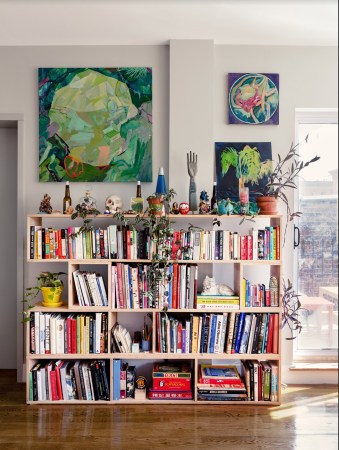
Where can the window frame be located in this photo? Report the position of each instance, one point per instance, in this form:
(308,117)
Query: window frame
(311,116)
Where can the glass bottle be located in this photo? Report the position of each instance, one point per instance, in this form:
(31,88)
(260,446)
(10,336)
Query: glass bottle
(138,190)
(67,201)
(214,201)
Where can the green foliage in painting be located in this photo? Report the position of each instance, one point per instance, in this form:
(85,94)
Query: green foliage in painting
(95,124)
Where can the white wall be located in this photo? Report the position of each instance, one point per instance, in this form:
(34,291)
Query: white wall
(308,78)
(8,290)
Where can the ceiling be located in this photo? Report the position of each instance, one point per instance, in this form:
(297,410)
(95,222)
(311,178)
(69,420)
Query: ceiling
(150,22)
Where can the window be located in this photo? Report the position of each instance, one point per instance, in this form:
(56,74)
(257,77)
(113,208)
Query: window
(316,257)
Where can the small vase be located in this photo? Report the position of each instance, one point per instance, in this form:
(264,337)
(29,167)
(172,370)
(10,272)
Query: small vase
(51,296)
(267,205)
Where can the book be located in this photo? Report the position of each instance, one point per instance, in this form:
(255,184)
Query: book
(227,373)
(170,395)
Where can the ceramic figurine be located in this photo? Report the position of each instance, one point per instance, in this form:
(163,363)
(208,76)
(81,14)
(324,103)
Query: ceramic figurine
(184,208)
(225,207)
(192,167)
(175,208)
(210,287)
(204,206)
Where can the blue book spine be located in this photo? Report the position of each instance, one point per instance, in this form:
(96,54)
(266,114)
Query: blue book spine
(213,331)
(116,378)
(183,338)
(240,331)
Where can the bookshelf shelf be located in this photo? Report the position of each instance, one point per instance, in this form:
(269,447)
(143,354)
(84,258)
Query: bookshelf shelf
(133,318)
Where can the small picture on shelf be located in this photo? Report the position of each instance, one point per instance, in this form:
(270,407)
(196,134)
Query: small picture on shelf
(137,204)
(237,163)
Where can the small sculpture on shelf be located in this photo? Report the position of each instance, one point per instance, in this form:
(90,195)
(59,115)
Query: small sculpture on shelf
(192,167)
(45,205)
(87,202)
(184,208)
(225,207)
(113,204)
(175,208)
(210,287)
(204,206)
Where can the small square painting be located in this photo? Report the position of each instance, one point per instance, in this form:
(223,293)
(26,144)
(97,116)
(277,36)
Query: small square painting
(249,161)
(253,98)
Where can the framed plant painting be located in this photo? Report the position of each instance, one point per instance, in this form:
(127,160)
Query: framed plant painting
(249,161)
(95,124)
(253,98)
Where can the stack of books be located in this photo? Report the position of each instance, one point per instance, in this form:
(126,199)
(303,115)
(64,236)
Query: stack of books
(171,382)
(229,302)
(220,383)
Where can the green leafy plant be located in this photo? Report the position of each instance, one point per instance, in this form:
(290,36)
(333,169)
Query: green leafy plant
(291,307)
(284,176)
(87,214)
(44,279)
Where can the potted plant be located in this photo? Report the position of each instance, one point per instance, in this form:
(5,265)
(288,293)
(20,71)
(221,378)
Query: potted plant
(155,204)
(282,178)
(50,285)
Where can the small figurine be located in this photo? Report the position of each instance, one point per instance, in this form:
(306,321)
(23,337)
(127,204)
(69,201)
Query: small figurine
(204,206)
(175,208)
(210,287)
(184,208)
(113,204)
(69,210)
(45,205)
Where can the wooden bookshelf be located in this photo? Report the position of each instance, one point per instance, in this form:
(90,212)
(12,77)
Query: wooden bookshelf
(133,318)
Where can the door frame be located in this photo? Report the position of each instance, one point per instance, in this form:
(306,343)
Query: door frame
(13,120)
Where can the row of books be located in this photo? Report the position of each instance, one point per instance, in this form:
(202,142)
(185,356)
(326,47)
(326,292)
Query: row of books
(113,242)
(258,295)
(69,380)
(218,333)
(57,333)
(90,288)
(262,380)
(121,242)
(227,245)
(124,377)
(132,289)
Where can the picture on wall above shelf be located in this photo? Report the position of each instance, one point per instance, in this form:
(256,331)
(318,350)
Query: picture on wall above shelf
(95,124)
(253,98)
(250,162)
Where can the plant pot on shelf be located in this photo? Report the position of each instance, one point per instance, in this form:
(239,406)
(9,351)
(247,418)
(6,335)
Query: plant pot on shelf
(267,205)
(51,296)
(156,206)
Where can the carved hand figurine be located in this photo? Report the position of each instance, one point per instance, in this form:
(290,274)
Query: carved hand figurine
(192,167)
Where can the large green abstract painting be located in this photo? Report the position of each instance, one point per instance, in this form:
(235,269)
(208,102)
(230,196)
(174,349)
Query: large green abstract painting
(95,124)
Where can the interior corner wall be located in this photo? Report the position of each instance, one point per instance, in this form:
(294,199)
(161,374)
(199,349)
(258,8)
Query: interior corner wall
(191,114)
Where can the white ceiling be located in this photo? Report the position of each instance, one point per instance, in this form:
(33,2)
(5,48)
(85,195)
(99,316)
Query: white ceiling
(148,22)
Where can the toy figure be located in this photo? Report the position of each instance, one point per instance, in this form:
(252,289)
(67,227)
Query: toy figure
(192,167)
(45,205)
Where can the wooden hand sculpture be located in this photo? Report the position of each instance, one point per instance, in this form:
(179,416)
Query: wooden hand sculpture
(192,167)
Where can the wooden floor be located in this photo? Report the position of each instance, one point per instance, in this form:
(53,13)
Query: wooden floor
(307,419)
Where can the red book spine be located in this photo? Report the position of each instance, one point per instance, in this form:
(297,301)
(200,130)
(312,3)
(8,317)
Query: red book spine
(275,344)
(243,247)
(58,381)
(278,242)
(54,390)
(184,395)
(74,336)
(129,243)
(269,347)
(267,298)
(69,335)
(176,245)
(217,381)
(120,290)
(249,247)
(175,287)
(171,384)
